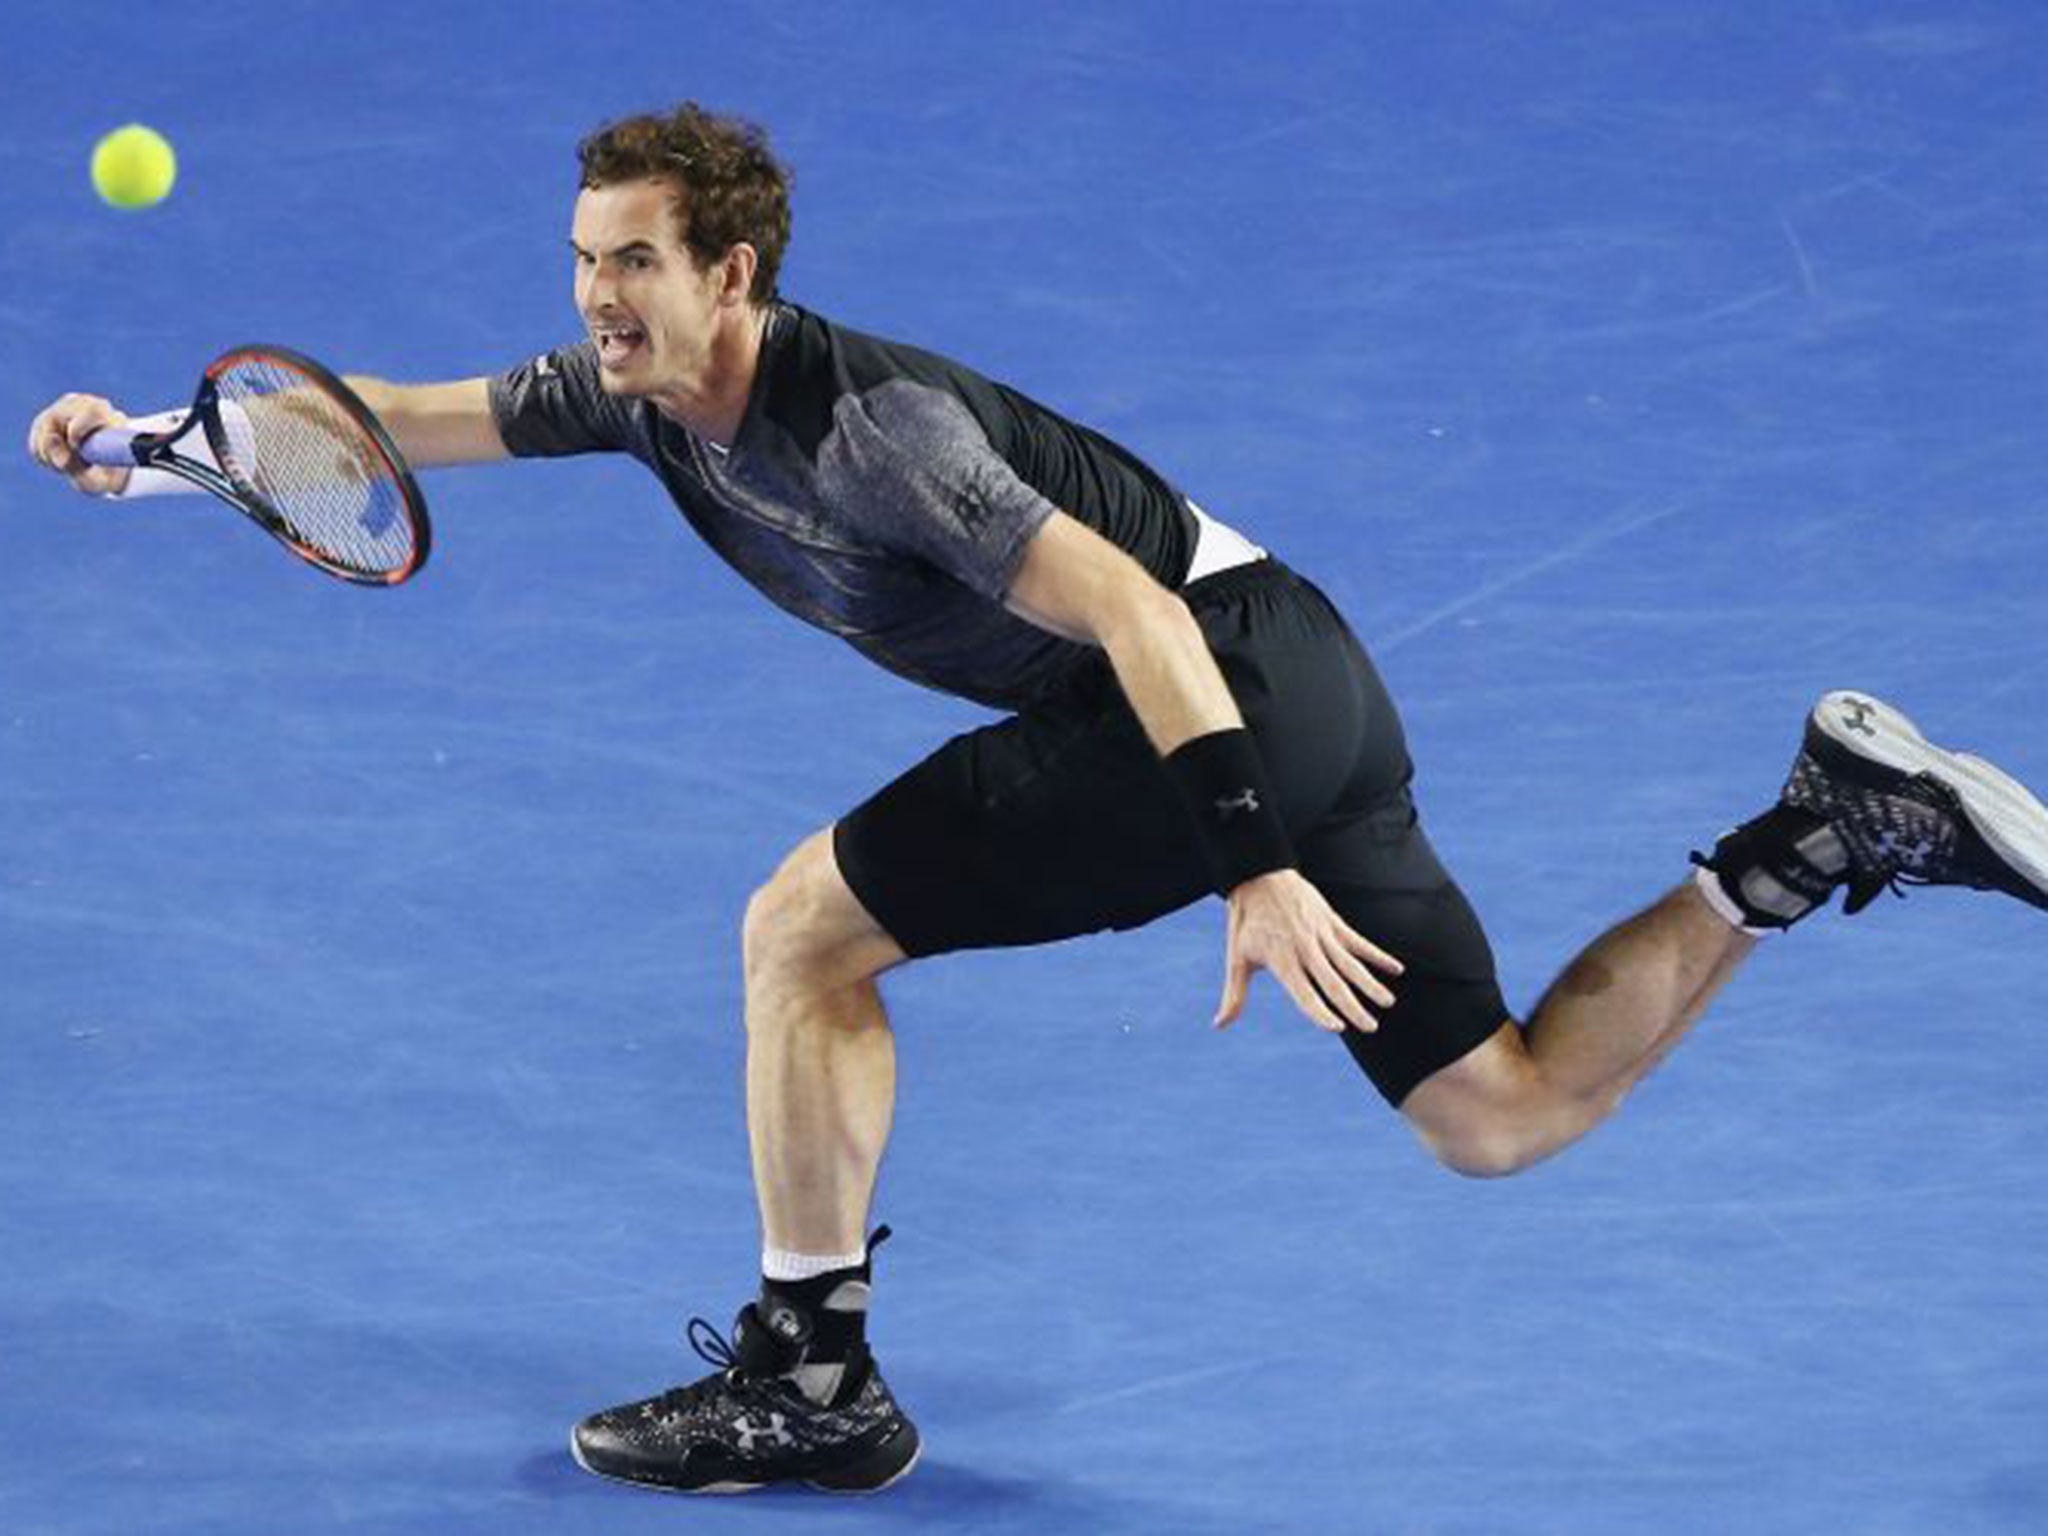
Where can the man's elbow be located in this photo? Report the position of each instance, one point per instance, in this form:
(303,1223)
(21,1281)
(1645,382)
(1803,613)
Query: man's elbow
(1144,612)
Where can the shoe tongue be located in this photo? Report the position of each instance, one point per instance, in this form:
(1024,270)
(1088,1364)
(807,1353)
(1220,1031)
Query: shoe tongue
(771,1337)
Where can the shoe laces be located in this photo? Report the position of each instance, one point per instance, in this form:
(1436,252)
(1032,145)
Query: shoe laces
(1864,891)
(712,1346)
(715,1351)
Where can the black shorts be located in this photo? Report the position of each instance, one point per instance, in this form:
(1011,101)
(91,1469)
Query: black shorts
(1060,821)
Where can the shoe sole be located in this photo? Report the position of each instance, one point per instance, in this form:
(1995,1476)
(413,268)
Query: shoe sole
(2012,823)
(851,1480)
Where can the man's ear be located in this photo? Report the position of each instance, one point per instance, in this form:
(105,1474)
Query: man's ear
(736,281)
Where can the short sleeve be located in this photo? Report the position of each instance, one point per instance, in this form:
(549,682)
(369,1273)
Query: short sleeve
(917,470)
(556,405)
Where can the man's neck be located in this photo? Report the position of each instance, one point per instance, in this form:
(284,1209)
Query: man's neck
(713,405)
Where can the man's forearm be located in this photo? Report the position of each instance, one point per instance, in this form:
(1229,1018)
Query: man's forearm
(435,424)
(1167,672)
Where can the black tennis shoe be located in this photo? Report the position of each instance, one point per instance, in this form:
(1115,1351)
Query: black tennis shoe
(1911,813)
(748,1424)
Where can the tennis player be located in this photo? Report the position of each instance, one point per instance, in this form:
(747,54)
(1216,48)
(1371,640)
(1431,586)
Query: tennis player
(1183,715)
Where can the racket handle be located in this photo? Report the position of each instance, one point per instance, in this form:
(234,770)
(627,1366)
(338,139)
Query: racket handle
(111,446)
(115,448)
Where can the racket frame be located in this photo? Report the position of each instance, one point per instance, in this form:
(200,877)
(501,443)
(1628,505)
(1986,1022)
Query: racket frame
(156,450)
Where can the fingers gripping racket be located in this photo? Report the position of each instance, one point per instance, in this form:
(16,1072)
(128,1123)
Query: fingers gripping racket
(279,438)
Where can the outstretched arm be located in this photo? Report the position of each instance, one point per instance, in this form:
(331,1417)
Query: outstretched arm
(1075,583)
(433,425)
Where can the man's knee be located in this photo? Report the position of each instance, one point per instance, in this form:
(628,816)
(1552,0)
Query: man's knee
(1484,1151)
(805,927)
(1492,1114)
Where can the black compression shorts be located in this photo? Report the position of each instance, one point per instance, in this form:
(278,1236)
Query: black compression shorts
(1060,821)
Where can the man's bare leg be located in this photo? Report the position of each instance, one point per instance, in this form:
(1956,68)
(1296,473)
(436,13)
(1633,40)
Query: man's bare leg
(1616,1012)
(821,1058)
(821,1092)
(1631,996)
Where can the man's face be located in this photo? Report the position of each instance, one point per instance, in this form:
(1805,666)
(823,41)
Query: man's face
(648,307)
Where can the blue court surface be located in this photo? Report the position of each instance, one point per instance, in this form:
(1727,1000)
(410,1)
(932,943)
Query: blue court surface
(369,996)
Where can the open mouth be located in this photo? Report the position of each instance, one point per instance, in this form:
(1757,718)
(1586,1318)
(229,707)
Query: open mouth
(617,344)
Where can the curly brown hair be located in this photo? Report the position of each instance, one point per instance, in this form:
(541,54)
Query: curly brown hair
(729,185)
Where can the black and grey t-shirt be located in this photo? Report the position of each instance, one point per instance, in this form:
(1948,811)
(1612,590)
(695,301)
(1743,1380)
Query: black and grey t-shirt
(880,492)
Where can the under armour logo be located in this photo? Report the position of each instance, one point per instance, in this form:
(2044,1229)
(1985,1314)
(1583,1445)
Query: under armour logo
(773,1432)
(1857,715)
(785,1322)
(1908,855)
(1243,800)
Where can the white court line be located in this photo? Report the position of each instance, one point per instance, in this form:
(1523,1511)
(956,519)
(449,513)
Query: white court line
(1163,1383)
(1579,547)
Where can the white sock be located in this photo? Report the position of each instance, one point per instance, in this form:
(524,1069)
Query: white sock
(1725,906)
(781,1264)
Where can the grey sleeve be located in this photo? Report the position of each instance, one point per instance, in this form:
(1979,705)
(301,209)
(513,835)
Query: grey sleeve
(913,466)
(555,405)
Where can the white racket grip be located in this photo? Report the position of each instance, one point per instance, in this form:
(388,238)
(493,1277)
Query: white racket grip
(145,481)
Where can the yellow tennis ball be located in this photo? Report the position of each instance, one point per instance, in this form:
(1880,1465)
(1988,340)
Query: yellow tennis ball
(133,167)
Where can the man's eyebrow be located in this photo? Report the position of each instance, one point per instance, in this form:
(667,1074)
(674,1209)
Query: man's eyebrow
(630,248)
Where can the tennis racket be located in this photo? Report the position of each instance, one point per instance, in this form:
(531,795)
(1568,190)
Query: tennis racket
(279,438)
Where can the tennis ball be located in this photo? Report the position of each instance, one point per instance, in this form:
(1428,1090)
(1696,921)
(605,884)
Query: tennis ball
(133,167)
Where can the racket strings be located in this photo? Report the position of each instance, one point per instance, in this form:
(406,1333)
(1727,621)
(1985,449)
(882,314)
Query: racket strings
(296,449)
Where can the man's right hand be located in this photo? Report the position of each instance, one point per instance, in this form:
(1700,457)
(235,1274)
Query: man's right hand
(1281,924)
(54,436)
